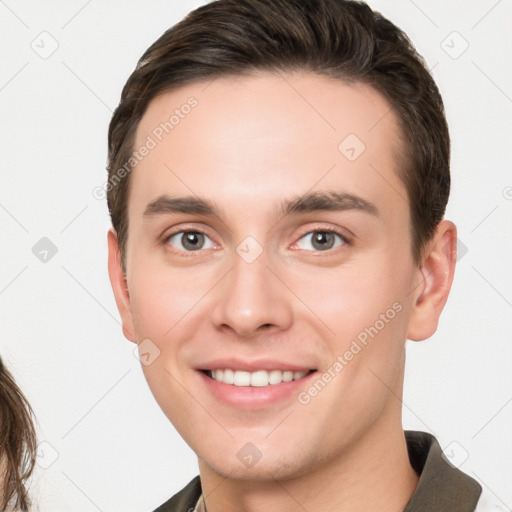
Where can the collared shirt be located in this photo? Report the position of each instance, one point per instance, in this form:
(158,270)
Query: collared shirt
(441,486)
(200,506)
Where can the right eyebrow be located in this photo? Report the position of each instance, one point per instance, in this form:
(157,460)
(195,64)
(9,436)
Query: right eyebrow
(166,204)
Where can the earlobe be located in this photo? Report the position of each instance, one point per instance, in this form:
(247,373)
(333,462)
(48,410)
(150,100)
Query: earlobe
(119,286)
(436,277)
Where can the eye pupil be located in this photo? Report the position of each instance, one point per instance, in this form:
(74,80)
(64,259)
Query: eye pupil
(192,240)
(323,240)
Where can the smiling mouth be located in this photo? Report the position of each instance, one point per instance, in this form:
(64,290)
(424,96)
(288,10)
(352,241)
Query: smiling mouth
(259,378)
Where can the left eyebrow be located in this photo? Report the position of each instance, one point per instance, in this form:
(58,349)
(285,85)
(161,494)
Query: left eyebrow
(326,201)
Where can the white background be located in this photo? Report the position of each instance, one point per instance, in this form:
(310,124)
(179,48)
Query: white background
(106,444)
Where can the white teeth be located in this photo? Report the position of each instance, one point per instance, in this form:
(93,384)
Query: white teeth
(259,378)
(287,376)
(241,378)
(275,377)
(228,377)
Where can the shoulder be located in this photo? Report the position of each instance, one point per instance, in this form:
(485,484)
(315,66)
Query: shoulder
(183,501)
(441,486)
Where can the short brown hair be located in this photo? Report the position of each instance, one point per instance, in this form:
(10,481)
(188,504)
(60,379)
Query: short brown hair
(337,38)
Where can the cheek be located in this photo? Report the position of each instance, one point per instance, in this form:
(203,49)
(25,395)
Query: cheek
(366,306)
(351,299)
(161,298)
(367,312)
(165,382)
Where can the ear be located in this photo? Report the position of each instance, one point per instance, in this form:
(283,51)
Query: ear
(435,278)
(119,285)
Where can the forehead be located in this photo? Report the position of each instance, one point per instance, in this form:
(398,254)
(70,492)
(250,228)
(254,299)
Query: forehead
(255,139)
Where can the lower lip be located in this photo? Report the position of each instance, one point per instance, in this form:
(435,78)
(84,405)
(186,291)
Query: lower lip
(254,397)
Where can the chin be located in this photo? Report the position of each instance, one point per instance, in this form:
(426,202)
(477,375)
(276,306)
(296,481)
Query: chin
(269,469)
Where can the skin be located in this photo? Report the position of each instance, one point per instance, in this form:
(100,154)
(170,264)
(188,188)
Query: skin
(249,144)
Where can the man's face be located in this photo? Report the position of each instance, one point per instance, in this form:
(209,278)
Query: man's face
(256,288)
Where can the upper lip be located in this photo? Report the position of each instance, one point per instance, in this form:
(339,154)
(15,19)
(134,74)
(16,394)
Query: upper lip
(253,365)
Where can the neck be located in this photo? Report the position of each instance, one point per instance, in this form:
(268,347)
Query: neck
(373,474)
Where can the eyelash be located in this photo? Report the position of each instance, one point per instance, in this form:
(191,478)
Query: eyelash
(346,241)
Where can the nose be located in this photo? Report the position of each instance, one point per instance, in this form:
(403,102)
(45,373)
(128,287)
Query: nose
(251,299)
